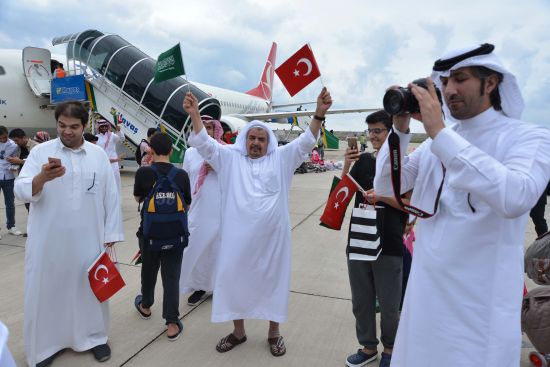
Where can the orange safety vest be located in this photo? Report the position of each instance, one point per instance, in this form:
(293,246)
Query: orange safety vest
(59,73)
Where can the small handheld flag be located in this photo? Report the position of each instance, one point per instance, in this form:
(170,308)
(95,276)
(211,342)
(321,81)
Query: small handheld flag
(169,64)
(338,201)
(104,278)
(299,70)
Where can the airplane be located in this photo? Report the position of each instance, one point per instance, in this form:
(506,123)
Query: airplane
(119,83)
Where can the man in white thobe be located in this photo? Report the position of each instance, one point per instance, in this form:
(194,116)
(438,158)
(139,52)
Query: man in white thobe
(463,300)
(253,272)
(199,258)
(108,141)
(75,212)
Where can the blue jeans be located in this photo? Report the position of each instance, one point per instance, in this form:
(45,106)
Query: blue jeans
(9,200)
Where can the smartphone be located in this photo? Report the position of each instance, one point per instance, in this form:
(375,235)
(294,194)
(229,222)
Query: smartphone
(352,142)
(55,162)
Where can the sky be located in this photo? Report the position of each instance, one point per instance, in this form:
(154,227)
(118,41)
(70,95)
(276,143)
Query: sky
(361,46)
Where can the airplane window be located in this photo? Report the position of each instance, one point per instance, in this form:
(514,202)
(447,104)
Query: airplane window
(2,71)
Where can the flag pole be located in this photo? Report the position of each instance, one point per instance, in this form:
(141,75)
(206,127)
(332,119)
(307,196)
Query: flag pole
(320,76)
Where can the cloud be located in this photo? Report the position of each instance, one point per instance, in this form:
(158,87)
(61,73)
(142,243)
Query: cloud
(362,46)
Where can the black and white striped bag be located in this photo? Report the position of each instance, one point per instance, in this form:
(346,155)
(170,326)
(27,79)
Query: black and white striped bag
(364,239)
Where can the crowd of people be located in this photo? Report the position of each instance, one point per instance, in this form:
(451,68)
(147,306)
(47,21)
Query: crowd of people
(472,184)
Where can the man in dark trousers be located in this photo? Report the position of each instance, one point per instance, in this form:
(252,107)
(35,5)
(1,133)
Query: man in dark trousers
(168,260)
(378,276)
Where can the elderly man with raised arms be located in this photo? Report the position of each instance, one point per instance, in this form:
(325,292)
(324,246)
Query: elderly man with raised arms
(253,271)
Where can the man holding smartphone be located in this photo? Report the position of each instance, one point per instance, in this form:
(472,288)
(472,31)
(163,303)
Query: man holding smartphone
(373,277)
(75,213)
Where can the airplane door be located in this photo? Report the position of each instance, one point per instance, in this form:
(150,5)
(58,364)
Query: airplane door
(36,65)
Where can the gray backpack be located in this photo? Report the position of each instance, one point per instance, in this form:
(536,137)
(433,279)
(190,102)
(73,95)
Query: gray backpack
(537,260)
(535,318)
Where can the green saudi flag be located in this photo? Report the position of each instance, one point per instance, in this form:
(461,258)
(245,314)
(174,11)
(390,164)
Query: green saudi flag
(169,64)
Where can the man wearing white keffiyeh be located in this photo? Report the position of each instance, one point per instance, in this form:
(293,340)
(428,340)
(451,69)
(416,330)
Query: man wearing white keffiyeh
(463,300)
(199,258)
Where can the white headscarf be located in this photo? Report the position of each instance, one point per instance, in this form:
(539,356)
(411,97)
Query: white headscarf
(240,143)
(510,94)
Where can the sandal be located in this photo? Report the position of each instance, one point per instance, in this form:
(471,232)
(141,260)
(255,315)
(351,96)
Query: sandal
(277,346)
(177,335)
(137,303)
(229,342)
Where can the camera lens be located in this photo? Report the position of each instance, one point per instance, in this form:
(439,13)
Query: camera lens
(394,101)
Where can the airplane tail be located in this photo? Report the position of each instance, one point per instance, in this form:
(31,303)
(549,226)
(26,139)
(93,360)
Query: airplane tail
(264,88)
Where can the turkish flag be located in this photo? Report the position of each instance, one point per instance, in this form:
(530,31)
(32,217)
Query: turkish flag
(299,70)
(105,280)
(337,203)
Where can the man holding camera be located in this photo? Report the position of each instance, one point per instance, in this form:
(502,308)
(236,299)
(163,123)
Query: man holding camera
(482,176)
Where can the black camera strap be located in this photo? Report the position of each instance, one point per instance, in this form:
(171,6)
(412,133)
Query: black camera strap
(395,162)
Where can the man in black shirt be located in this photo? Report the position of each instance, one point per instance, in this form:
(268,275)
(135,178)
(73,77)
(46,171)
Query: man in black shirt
(372,277)
(169,261)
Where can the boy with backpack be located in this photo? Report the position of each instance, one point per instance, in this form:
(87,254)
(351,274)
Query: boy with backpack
(165,193)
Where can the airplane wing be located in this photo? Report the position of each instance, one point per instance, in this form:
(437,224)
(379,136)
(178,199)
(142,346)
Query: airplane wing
(285,114)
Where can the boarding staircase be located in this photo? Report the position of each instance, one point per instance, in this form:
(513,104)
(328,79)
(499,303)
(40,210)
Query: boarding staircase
(120,87)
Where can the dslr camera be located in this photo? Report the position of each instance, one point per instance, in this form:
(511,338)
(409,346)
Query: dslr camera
(401,100)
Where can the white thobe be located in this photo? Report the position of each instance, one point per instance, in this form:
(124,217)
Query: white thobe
(6,359)
(108,142)
(463,300)
(199,258)
(252,278)
(69,221)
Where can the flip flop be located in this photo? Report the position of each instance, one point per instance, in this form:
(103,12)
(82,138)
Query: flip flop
(229,342)
(177,335)
(137,304)
(276,346)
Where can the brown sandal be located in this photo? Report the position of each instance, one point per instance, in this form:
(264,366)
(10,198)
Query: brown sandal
(229,342)
(277,346)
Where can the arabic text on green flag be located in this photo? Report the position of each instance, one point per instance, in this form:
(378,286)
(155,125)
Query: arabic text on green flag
(169,64)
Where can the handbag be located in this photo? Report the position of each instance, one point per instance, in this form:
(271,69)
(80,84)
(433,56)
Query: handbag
(364,238)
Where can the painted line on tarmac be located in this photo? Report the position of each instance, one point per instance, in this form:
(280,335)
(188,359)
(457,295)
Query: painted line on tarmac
(161,334)
(308,216)
(320,295)
(193,309)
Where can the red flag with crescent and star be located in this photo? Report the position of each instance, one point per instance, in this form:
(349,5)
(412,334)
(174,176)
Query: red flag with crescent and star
(338,201)
(299,70)
(105,280)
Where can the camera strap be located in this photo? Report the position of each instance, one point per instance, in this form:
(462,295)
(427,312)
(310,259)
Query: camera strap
(395,162)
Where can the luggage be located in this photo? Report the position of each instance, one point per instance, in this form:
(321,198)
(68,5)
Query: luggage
(537,260)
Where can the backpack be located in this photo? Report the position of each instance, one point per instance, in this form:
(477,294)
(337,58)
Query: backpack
(139,156)
(165,214)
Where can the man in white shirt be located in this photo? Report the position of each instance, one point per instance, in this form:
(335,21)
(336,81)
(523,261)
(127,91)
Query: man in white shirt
(75,213)
(463,301)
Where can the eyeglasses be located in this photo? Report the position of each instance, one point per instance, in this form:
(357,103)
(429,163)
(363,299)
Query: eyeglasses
(376,131)
(2,154)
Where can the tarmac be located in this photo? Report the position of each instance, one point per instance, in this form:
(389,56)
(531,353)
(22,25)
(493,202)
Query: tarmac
(320,330)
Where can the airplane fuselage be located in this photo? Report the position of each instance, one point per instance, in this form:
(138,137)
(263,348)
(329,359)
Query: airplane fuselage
(19,107)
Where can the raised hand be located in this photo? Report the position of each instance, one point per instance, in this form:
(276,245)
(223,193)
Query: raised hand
(324,101)
(191,104)
(430,108)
